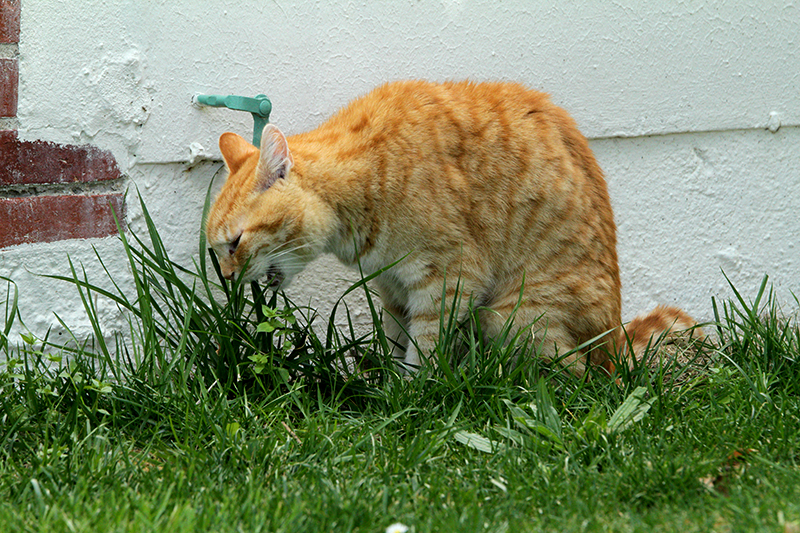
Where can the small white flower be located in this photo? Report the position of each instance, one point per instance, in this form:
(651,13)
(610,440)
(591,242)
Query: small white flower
(397,528)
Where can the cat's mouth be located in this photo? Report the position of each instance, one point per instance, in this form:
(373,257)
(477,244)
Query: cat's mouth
(274,277)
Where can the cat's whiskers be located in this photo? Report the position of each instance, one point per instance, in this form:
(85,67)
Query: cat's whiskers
(283,249)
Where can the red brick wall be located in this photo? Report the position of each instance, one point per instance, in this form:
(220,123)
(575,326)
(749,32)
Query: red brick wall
(9,21)
(34,205)
(9,80)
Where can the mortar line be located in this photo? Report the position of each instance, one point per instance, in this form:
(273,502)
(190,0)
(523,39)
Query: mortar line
(9,51)
(9,123)
(32,190)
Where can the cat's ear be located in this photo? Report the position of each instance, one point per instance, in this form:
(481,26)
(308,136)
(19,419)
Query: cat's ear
(235,150)
(276,160)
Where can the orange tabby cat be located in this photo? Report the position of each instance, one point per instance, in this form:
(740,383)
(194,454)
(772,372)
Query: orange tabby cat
(489,185)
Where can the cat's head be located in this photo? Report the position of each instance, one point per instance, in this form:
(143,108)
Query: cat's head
(263,223)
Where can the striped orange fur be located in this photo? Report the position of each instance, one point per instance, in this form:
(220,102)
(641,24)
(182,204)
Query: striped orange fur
(484,183)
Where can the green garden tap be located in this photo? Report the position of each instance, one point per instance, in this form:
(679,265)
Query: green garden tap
(260,107)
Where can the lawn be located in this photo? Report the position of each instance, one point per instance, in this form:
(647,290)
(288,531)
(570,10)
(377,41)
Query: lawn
(221,410)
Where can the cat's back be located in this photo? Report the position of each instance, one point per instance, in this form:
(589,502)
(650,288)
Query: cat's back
(462,125)
(464,108)
(464,156)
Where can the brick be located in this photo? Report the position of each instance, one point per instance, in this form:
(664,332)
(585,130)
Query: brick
(31,162)
(9,81)
(54,218)
(9,21)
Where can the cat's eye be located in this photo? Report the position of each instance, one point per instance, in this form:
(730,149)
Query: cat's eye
(235,244)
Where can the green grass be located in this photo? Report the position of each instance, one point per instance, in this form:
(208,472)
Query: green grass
(218,411)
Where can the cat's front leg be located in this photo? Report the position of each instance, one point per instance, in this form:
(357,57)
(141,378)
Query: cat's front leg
(424,330)
(426,313)
(405,351)
(395,328)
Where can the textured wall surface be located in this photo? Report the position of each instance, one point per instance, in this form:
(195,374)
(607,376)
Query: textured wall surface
(692,111)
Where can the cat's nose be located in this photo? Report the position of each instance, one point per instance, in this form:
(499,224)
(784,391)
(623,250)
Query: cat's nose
(227,273)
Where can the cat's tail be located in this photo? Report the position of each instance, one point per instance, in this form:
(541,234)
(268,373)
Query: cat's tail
(662,325)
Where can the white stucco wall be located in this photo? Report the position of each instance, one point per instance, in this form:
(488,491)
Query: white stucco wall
(677,99)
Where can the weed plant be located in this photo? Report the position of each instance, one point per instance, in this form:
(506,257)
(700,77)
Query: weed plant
(222,409)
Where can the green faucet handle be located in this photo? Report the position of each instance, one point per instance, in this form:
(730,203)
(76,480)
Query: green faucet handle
(260,107)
